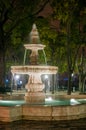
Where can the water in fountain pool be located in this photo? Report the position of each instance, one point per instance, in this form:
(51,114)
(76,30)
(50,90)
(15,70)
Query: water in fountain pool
(48,101)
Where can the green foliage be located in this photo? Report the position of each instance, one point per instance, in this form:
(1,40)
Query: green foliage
(16,17)
(72,17)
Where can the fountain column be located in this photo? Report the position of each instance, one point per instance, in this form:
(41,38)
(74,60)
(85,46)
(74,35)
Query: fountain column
(34,86)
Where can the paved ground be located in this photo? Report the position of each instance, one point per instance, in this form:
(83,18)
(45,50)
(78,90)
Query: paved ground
(45,125)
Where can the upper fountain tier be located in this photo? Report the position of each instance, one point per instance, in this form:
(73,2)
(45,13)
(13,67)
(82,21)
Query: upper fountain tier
(34,46)
(34,40)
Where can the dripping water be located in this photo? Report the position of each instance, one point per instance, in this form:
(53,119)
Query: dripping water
(24,57)
(45,57)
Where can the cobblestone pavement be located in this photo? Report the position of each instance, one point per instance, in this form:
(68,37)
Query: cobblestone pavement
(45,125)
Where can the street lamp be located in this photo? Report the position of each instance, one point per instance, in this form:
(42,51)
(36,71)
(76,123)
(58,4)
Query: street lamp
(73,87)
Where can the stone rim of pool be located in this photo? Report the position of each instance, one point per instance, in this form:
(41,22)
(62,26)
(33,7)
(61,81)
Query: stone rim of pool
(21,110)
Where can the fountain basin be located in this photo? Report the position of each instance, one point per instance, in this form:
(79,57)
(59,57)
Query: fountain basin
(54,112)
(34,46)
(34,69)
(50,110)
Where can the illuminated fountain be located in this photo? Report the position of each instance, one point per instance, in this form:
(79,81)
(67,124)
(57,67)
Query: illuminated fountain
(34,86)
(36,106)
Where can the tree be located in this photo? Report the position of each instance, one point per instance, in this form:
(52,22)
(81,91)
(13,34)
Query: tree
(82,71)
(13,15)
(68,14)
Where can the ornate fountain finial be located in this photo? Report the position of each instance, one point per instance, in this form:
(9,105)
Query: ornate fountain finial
(34,45)
(34,35)
(34,26)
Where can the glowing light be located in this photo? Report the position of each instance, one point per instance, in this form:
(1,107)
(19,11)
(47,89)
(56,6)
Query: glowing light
(74,102)
(17,76)
(17,105)
(72,74)
(46,76)
(49,99)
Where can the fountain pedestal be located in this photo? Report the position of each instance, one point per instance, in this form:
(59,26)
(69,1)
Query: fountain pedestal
(32,97)
(35,88)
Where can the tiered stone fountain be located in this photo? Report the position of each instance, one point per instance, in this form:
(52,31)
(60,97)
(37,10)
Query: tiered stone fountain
(35,106)
(34,86)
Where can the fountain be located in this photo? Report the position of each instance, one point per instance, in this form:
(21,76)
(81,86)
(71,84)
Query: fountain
(34,86)
(35,105)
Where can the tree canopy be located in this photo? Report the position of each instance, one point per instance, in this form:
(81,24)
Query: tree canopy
(15,17)
(62,44)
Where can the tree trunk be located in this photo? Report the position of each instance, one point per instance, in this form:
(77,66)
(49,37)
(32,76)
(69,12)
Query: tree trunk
(81,83)
(69,82)
(81,69)
(2,69)
(2,56)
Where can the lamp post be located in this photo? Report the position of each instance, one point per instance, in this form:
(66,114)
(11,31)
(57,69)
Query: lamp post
(73,87)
